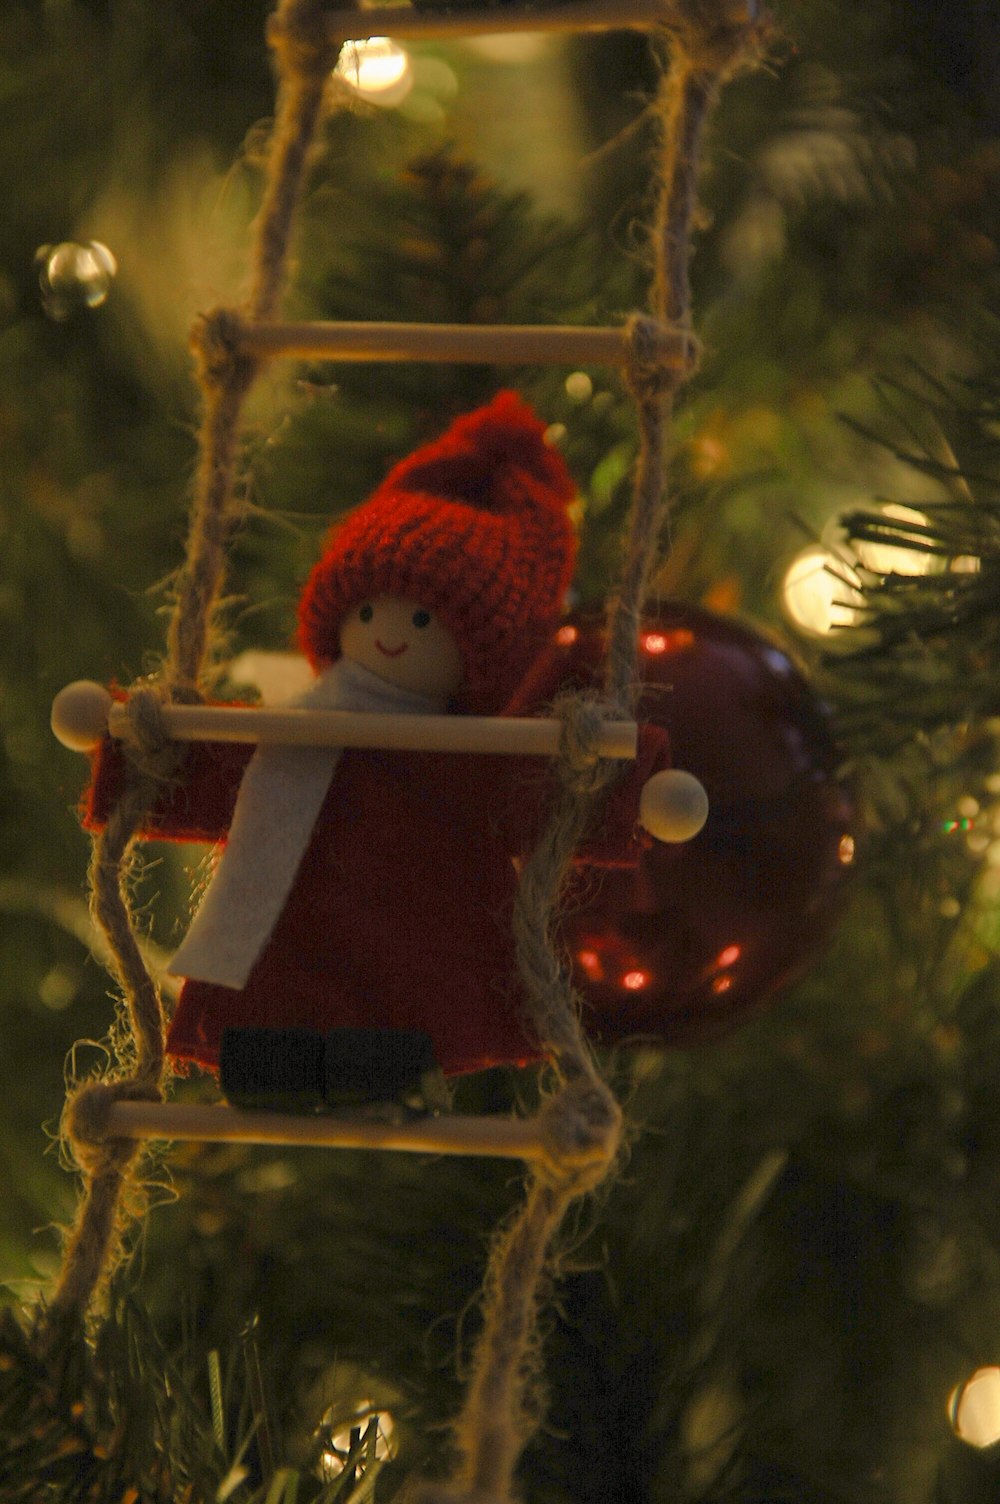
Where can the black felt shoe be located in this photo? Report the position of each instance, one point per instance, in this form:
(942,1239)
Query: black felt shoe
(280,1069)
(375,1065)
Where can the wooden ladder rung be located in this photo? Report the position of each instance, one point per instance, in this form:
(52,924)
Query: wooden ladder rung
(407,24)
(458,344)
(84,711)
(502,735)
(503,1138)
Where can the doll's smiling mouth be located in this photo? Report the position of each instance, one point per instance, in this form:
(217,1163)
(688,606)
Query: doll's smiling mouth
(391,652)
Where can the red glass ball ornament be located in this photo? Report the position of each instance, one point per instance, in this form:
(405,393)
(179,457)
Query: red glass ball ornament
(698,938)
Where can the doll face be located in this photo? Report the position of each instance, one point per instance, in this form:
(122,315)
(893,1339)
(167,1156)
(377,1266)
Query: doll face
(403,643)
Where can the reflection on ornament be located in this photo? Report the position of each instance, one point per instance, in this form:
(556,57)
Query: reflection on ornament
(662,642)
(377,69)
(73,276)
(818,593)
(367,1433)
(897,558)
(974,1408)
(590,961)
(698,937)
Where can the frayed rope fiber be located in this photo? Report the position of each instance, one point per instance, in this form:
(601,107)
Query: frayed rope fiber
(225,375)
(580,1119)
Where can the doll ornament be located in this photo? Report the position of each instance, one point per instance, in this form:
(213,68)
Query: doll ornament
(355,941)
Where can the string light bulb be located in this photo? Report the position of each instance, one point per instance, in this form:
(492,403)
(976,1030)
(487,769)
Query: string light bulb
(969,1471)
(367,1430)
(377,69)
(974,1409)
(817,594)
(897,558)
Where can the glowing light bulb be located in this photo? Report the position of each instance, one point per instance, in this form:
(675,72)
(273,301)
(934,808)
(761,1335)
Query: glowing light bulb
(729,956)
(354,1434)
(635,981)
(566,636)
(974,1408)
(896,558)
(71,276)
(817,594)
(377,69)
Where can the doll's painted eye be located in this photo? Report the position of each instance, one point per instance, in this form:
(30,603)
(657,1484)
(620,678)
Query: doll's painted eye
(421,618)
(366,613)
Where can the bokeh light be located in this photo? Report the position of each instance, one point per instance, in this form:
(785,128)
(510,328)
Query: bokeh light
(367,1429)
(974,1408)
(377,69)
(579,386)
(897,558)
(817,593)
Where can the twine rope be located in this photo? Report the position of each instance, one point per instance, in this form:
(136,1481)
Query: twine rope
(94,1244)
(581,1120)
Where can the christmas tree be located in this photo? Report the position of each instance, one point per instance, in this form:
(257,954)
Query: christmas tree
(790,1290)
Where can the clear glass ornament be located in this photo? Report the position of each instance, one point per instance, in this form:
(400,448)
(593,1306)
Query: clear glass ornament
(72,276)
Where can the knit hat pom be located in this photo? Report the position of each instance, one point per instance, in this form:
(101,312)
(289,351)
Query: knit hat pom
(474,527)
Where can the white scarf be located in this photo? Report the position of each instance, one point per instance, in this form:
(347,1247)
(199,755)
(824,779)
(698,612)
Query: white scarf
(280,798)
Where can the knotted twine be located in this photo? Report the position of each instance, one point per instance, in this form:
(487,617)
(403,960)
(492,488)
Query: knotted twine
(580,1120)
(305,55)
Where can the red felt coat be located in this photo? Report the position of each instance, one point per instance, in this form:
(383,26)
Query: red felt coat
(400,912)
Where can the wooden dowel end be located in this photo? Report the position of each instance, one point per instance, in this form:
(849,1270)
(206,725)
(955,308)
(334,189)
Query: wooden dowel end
(503,1138)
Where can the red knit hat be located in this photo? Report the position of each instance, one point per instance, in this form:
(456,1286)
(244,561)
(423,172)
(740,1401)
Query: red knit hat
(473,526)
